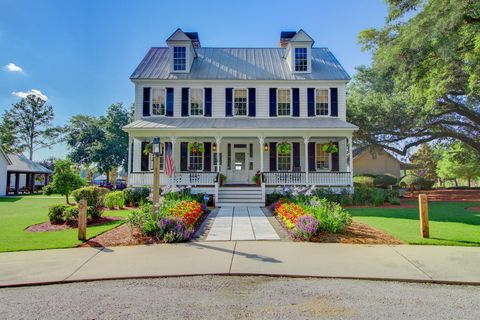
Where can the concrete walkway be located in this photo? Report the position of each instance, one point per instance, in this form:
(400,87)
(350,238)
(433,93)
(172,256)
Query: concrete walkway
(241,223)
(403,262)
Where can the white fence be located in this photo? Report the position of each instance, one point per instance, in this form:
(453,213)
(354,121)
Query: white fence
(178,178)
(314,178)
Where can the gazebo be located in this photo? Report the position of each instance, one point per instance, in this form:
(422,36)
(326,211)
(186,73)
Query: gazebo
(22,173)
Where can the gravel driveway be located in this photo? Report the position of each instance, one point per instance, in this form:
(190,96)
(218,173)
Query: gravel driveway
(219,297)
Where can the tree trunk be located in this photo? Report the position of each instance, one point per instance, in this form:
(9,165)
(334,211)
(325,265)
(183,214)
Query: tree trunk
(469,182)
(108,177)
(66,197)
(456,182)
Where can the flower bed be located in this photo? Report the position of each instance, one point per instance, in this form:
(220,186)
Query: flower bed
(289,212)
(188,211)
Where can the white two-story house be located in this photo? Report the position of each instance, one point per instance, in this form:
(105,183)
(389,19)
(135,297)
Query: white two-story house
(267,110)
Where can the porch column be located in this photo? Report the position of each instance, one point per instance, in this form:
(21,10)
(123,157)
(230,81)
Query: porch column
(305,141)
(350,159)
(45,179)
(218,141)
(129,164)
(17,182)
(31,183)
(8,183)
(173,140)
(261,142)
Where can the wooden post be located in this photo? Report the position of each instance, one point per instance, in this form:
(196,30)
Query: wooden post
(156,185)
(82,220)
(423,207)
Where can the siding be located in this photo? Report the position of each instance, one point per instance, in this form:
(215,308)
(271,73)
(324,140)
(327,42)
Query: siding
(384,163)
(3,175)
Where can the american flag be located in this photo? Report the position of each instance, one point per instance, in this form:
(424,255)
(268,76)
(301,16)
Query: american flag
(169,165)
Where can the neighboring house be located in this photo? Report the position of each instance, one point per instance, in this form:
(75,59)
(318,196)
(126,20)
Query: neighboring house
(22,173)
(240,104)
(378,161)
(4,162)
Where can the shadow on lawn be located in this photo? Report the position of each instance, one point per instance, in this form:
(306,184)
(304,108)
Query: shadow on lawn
(456,240)
(10,199)
(438,211)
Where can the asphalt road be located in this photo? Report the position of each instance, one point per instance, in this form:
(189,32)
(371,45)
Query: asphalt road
(230,297)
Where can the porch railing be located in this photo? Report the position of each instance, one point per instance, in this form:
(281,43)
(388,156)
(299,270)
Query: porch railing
(178,178)
(314,178)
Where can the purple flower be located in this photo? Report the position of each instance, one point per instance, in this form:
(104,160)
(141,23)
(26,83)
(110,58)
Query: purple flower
(305,227)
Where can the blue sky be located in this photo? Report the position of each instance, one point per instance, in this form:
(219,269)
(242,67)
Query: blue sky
(80,54)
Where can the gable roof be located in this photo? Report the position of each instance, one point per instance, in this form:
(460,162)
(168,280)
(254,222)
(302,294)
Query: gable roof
(302,36)
(239,64)
(361,150)
(179,35)
(20,163)
(5,156)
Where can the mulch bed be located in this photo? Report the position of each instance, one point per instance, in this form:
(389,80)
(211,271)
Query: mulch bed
(48,226)
(447,194)
(474,208)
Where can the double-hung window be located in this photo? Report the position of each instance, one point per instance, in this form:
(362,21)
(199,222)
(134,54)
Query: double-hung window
(240,101)
(284,102)
(179,58)
(322,158)
(196,102)
(158,102)
(150,161)
(321,102)
(284,160)
(195,161)
(301,61)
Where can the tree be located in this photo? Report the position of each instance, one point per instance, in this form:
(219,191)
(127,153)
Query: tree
(48,163)
(8,140)
(65,179)
(31,119)
(424,81)
(459,161)
(425,160)
(82,133)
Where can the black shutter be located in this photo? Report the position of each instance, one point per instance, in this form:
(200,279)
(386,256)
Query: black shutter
(311,102)
(273,156)
(208,102)
(334,102)
(184,102)
(146,101)
(311,156)
(184,156)
(296,156)
(273,102)
(169,112)
(228,102)
(207,156)
(335,160)
(144,158)
(296,102)
(251,102)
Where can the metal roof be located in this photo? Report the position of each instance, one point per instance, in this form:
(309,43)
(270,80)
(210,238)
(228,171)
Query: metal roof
(239,64)
(5,156)
(20,163)
(239,123)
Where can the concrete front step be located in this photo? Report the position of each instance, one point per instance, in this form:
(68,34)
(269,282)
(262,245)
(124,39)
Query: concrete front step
(243,204)
(239,200)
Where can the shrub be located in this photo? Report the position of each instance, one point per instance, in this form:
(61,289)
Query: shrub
(71,213)
(305,227)
(394,200)
(384,180)
(332,217)
(95,197)
(411,181)
(56,213)
(173,229)
(364,181)
(344,198)
(138,218)
(115,199)
(378,196)
(136,196)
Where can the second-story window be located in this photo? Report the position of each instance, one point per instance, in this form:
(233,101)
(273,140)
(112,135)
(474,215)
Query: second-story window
(158,102)
(179,58)
(321,102)
(196,102)
(240,102)
(301,61)
(284,102)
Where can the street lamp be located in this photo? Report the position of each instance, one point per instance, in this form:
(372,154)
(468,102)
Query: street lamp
(156,151)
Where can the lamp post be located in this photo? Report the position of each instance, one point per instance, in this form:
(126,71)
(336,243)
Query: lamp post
(156,151)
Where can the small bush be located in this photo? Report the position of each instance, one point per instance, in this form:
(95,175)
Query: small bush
(332,217)
(378,197)
(344,198)
(95,197)
(56,213)
(411,181)
(173,230)
(364,181)
(115,199)
(394,200)
(385,180)
(138,218)
(305,227)
(71,213)
(136,196)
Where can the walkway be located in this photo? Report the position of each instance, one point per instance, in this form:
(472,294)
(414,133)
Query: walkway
(276,258)
(241,223)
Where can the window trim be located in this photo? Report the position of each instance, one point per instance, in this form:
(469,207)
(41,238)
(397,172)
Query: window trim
(190,102)
(173,59)
(151,102)
(329,159)
(291,158)
(294,64)
(201,157)
(233,103)
(329,104)
(291,103)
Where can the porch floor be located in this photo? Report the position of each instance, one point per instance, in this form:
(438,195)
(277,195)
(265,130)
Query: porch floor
(241,223)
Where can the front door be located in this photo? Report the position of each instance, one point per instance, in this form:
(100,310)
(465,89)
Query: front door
(239,169)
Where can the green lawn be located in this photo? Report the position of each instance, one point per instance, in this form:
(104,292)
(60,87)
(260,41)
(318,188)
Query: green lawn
(18,213)
(450,223)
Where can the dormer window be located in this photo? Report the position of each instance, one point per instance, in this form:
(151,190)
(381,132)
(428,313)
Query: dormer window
(179,58)
(301,61)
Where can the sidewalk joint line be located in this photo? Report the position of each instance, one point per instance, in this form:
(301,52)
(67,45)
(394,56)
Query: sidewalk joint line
(84,263)
(251,224)
(233,255)
(411,262)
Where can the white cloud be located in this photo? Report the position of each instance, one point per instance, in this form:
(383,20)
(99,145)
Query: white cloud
(35,92)
(12,67)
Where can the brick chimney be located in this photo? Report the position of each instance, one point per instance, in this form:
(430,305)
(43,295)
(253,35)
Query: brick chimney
(195,39)
(285,37)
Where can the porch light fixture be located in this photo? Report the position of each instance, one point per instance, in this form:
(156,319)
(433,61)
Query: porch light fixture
(156,146)
(214,147)
(265,147)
